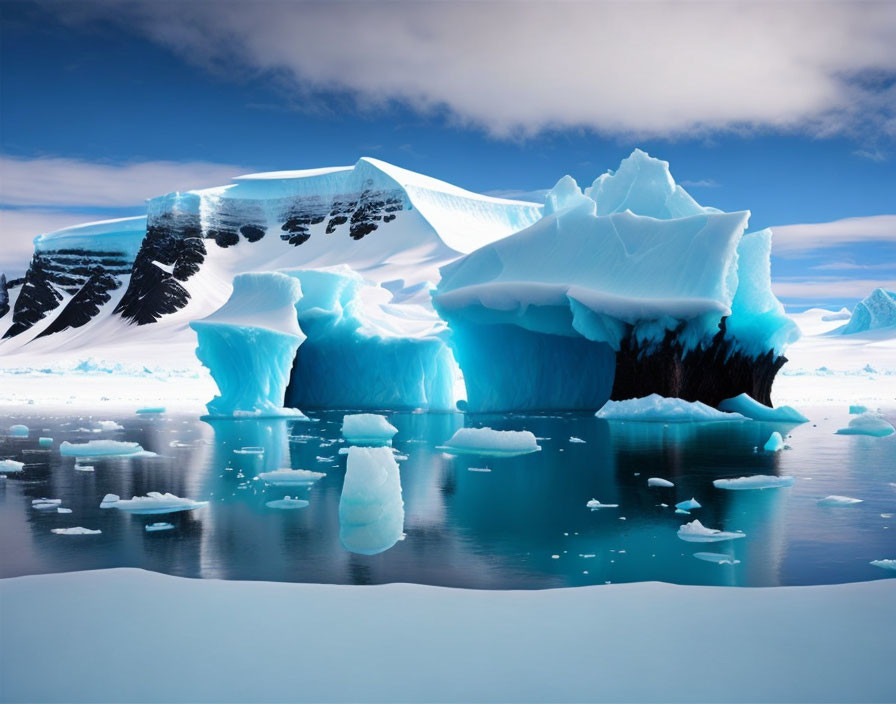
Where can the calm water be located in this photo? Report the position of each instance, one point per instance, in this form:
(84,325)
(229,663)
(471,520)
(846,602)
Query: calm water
(498,529)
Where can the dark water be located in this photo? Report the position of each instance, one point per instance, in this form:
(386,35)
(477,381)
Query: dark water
(499,529)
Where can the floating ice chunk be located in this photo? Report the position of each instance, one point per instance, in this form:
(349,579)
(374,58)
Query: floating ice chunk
(688,505)
(150,410)
(76,531)
(718,557)
(856,410)
(45,442)
(63,510)
(287,502)
(696,532)
(291,477)
(682,511)
(45,504)
(10,466)
(18,431)
(756,481)
(868,424)
(367,428)
(321,458)
(884,564)
(835,500)
(83,467)
(656,408)
(747,406)
(249,451)
(371,510)
(153,502)
(485,441)
(109,425)
(478,469)
(659,481)
(101,448)
(774,443)
(154,527)
(594,505)
(575,440)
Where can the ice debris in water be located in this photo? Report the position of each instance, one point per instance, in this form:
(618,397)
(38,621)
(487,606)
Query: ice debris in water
(8,466)
(696,532)
(291,477)
(497,443)
(151,410)
(774,443)
(659,481)
(45,504)
(749,407)
(884,564)
(83,467)
(371,509)
(573,439)
(688,505)
(478,469)
(18,431)
(855,410)
(78,530)
(153,502)
(154,527)
(835,500)
(109,425)
(594,504)
(718,557)
(756,481)
(102,448)
(656,408)
(249,451)
(287,502)
(868,424)
(63,510)
(367,429)
(45,442)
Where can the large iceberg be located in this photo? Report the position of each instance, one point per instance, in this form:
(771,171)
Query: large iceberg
(364,350)
(249,345)
(371,510)
(655,408)
(626,289)
(876,311)
(868,424)
(495,443)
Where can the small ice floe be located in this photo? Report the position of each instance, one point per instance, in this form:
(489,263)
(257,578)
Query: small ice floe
(18,431)
(287,502)
(718,557)
(868,424)
(835,500)
(774,443)
(10,466)
(696,532)
(78,530)
(291,477)
(45,504)
(682,511)
(594,505)
(251,450)
(856,410)
(367,429)
(107,425)
(153,502)
(573,439)
(103,448)
(884,564)
(155,527)
(688,505)
(756,481)
(321,458)
(83,467)
(495,443)
(478,469)
(659,481)
(63,510)
(45,442)
(747,406)
(150,410)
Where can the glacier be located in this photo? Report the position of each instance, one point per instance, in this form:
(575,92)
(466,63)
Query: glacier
(630,283)
(876,311)
(249,345)
(371,510)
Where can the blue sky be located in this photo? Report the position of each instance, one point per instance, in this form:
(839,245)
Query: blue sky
(102,107)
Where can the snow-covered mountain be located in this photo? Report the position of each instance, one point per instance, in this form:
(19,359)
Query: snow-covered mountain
(875,312)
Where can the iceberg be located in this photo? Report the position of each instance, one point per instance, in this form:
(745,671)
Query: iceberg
(11,466)
(836,500)
(573,440)
(659,481)
(775,443)
(627,289)
(249,345)
(45,504)
(367,429)
(756,481)
(696,532)
(876,311)
(868,424)
(287,502)
(108,425)
(495,443)
(688,505)
(156,527)
(750,408)
(83,467)
(101,448)
(75,531)
(18,431)
(718,557)
(884,564)
(45,442)
(358,334)
(154,502)
(655,408)
(594,505)
(371,509)
(856,409)
(148,410)
(291,477)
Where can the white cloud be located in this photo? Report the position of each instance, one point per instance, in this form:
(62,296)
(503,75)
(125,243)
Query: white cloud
(639,68)
(58,182)
(797,240)
(828,289)
(854,266)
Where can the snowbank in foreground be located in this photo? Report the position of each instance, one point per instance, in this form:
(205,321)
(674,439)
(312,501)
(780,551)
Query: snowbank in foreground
(827,643)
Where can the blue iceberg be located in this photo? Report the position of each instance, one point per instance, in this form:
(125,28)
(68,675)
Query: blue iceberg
(746,406)
(876,311)
(371,510)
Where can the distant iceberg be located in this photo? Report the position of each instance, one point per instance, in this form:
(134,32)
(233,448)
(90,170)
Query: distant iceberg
(884,564)
(657,409)
(11,466)
(154,502)
(756,481)
(75,531)
(696,532)
(876,311)
(496,443)
(291,477)
(18,431)
(750,408)
(868,424)
(837,500)
(102,448)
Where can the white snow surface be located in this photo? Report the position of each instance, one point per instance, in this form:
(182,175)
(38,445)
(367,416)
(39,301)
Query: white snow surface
(656,408)
(486,441)
(819,643)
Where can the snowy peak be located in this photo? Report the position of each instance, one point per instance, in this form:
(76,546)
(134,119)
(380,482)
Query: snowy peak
(876,311)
